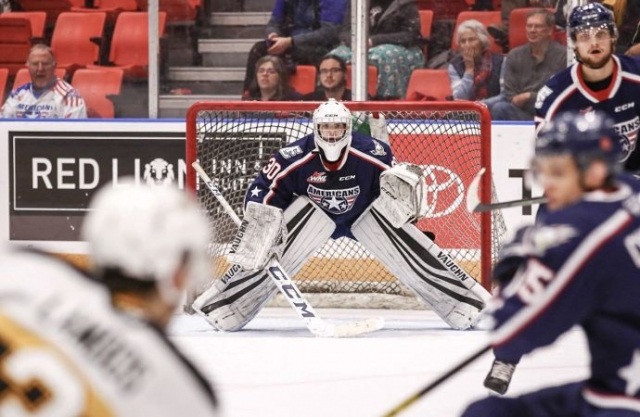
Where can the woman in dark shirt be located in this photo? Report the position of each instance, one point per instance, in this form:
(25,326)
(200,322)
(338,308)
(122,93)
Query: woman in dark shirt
(271,82)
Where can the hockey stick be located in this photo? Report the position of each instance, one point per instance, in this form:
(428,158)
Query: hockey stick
(475,206)
(289,289)
(421,393)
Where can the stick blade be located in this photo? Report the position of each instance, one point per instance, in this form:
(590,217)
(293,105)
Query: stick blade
(349,329)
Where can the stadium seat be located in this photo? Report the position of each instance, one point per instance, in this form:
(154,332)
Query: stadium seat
(15,43)
(72,39)
(4,77)
(304,80)
(372,80)
(486,18)
(444,9)
(22,76)
(130,43)
(112,8)
(37,19)
(178,11)
(52,7)
(429,84)
(95,85)
(426,21)
(517,26)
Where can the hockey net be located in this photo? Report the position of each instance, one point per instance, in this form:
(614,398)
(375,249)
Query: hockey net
(450,140)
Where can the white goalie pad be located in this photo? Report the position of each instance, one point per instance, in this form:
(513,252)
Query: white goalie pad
(260,236)
(403,194)
(235,298)
(423,267)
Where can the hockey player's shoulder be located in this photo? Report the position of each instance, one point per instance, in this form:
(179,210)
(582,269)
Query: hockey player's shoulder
(630,66)
(556,85)
(370,146)
(298,149)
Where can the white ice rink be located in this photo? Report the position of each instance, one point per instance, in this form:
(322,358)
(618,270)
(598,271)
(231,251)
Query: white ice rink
(276,368)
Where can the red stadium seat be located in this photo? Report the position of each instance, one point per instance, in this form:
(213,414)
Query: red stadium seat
(486,18)
(71,40)
(372,80)
(304,80)
(429,84)
(52,7)
(95,85)
(4,77)
(37,19)
(15,43)
(112,8)
(426,22)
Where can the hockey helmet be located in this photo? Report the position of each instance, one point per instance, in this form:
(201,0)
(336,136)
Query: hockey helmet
(332,129)
(591,15)
(147,233)
(584,136)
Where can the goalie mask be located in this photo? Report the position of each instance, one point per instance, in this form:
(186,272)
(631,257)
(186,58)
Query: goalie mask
(147,233)
(332,130)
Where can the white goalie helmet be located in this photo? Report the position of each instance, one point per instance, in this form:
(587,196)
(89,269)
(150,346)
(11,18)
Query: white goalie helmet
(147,233)
(332,129)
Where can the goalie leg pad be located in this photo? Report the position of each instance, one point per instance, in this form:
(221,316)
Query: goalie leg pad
(238,296)
(423,267)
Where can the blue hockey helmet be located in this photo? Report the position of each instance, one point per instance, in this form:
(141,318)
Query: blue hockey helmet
(584,136)
(591,15)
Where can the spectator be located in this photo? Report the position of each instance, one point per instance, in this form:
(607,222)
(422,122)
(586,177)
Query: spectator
(5,6)
(299,31)
(46,96)
(394,44)
(333,81)
(271,82)
(501,32)
(475,72)
(627,17)
(528,67)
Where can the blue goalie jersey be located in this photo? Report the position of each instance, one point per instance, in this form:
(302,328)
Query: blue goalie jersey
(587,272)
(567,91)
(343,194)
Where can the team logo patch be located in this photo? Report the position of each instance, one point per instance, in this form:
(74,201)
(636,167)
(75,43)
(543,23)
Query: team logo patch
(290,152)
(379,150)
(158,172)
(317,178)
(628,133)
(334,201)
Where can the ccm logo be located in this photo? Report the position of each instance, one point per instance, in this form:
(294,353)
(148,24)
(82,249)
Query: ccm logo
(624,107)
(346,178)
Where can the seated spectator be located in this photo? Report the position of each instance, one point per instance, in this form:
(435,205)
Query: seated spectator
(501,32)
(528,68)
(333,81)
(46,96)
(394,44)
(299,31)
(271,82)
(475,72)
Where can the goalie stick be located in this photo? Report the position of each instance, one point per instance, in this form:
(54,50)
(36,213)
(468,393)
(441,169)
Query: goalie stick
(289,289)
(475,206)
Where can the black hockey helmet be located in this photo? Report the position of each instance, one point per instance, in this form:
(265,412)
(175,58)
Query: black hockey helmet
(585,136)
(591,15)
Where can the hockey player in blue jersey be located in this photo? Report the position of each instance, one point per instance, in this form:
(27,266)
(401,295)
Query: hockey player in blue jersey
(581,266)
(333,184)
(598,81)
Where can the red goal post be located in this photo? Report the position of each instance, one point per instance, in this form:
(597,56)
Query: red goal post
(450,140)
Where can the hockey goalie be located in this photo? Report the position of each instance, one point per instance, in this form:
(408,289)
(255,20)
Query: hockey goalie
(330,184)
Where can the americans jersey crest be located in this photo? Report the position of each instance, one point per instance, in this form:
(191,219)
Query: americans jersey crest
(334,201)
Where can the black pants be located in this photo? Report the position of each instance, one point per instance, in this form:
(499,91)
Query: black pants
(304,55)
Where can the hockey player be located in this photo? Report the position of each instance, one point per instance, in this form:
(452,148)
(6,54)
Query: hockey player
(598,81)
(580,268)
(335,183)
(71,345)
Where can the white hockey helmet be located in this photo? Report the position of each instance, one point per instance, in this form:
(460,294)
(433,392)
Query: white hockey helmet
(147,233)
(333,141)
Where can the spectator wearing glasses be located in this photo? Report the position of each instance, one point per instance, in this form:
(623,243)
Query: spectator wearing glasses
(271,82)
(332,72)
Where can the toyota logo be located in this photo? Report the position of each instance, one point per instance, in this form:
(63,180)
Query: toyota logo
(445,190)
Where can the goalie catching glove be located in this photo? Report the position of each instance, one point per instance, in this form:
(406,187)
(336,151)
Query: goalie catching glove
(403,194)
(261,236)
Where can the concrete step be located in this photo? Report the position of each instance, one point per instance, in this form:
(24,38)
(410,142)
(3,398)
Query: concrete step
(225,52)
(241,5)
(231,74)
(236,25)
(176,106)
